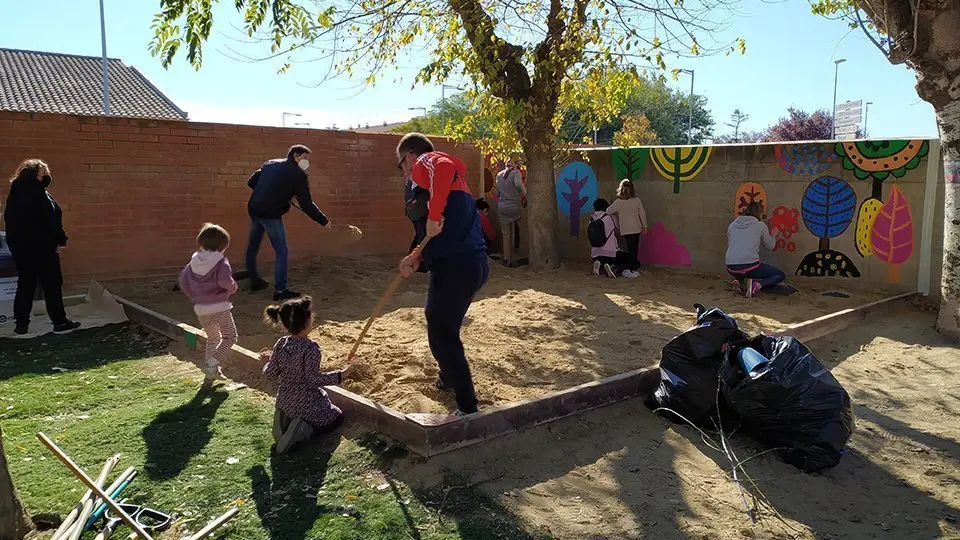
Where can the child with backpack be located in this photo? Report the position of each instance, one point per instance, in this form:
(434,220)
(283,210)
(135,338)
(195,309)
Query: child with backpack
(632,220)
(602,234)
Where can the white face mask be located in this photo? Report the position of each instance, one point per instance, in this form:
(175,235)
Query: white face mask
(304,164)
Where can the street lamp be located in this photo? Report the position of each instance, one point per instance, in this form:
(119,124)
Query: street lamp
(443,104)
(104,63)
(283,117)
(866,113)
(836,72)
(690,115)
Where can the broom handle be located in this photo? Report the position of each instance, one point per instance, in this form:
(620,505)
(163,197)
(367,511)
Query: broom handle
(392,288)
(78,472)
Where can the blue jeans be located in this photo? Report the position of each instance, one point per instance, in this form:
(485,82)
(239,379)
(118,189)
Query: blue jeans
(278,239)
(767,274)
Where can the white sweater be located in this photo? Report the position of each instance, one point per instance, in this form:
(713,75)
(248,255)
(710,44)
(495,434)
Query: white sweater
(744,237)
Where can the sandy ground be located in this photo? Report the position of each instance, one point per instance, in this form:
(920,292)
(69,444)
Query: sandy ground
(526,335)
(620,472)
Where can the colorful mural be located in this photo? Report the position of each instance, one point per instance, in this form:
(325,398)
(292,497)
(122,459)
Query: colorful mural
(680,164)
(786,223)
(877,160)
(628,163)
(951,172)
(869,210)
(892,234)
(806,158)
(747,193)
(576,187)
(827,209)
(660,246)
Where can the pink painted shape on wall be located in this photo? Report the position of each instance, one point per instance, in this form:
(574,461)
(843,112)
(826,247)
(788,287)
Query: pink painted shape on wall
(659,246)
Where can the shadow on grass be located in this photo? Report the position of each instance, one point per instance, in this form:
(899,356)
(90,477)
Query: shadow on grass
(286,499)
(177,435)
(77,350)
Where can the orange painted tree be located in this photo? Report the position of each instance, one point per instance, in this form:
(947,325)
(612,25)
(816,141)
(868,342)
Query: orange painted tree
(528,60)
(924,36)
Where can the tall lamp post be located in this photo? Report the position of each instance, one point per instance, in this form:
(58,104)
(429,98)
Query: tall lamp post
(104,63)
(443,104)
(690,114)
(836,73)
(866,114)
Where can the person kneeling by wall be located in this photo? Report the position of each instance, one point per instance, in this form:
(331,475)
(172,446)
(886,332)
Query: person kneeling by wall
(744,237)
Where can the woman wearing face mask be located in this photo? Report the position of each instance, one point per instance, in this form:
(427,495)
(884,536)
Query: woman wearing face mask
(34,228)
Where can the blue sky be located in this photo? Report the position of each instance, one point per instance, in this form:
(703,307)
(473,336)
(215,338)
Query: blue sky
(789,62)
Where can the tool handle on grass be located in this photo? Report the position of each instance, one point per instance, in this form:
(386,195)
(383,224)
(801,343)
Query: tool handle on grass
(392,288)
(215,524)
(78,472)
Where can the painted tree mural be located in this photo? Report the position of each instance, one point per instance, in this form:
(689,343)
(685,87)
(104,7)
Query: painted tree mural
(877,161)
(786,223)
(804,158)
(576,186)
(680,164)
(827,209)
(629,162)
(892,234)
(747,193)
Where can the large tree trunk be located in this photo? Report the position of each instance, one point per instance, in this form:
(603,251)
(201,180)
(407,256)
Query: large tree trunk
(542,204)
(14,524)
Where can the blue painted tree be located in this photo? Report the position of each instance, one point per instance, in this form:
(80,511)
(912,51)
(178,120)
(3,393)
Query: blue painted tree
(827,208)
(576,186)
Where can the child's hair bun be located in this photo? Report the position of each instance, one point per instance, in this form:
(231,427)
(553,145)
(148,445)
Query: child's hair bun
(272,314)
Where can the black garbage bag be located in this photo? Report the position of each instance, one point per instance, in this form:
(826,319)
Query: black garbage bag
(690,365)
(793,403)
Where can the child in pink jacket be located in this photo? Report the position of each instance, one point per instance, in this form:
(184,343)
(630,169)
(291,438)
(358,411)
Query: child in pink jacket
(605,257)
(208,282)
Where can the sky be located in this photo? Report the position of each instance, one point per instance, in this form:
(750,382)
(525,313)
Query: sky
(789,62)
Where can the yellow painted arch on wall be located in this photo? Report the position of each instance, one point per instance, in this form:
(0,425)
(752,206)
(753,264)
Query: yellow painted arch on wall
(680,164)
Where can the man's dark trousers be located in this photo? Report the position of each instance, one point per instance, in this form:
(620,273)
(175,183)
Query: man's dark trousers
(453,284)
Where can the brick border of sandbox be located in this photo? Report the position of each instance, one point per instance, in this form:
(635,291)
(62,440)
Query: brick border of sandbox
(432,434)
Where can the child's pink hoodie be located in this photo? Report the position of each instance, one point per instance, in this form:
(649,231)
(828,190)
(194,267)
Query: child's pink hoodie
(610,248)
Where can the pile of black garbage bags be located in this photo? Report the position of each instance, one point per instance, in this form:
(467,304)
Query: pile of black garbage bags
(771,388)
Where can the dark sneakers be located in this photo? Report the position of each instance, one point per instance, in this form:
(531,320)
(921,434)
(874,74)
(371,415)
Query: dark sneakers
(21,329)
(285,294)
(66,326)
(259,285)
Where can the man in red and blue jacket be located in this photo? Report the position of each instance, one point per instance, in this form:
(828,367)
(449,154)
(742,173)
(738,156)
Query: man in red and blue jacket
(455,257)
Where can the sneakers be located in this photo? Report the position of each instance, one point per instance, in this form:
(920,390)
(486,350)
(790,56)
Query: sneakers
(258,285)
(608,270)
(21,329)
(297,431)
(596,268)
(462,414)
(285,294)
(754,287)
(212,372)
(66,326)
(631,274)
(442,386)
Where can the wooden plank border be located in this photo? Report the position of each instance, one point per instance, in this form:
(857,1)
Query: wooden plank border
(429,434)
(838,320)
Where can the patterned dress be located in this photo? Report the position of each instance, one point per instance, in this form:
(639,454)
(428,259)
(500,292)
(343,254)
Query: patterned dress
(295,365)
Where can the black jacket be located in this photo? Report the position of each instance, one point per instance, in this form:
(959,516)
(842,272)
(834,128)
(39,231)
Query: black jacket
(33,219)
(274,185)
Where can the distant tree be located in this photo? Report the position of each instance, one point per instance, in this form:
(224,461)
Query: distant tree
(800,125)
(456,109)
(667,109)
(744,137)
(737,118)
(636,131)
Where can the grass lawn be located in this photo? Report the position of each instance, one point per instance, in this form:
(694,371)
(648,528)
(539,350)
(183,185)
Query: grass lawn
(201,450)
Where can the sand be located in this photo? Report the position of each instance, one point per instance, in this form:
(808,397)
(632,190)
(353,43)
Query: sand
(621,472)
(527,333)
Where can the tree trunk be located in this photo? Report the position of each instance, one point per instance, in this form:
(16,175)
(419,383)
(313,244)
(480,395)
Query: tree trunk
(14,524)
(542,204)
(948,119)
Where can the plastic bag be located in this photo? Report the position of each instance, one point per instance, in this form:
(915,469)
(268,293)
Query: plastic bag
(793,403)
(690,364)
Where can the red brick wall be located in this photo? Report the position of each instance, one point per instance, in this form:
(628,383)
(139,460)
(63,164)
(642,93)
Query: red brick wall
(135,192)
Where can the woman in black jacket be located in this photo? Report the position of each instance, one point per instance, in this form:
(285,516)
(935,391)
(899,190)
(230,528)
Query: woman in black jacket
(34,228)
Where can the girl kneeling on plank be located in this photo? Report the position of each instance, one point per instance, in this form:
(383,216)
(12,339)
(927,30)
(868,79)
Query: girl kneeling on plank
(303,408)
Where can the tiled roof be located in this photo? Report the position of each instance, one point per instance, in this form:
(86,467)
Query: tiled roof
(67,84)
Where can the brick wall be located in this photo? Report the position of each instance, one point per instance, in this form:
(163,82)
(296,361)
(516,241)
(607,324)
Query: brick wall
(135,192)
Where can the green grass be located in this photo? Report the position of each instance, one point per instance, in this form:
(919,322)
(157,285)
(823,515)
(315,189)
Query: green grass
(125,394)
